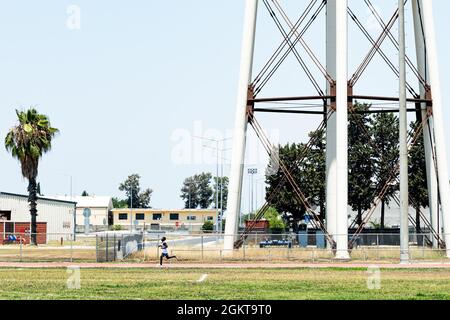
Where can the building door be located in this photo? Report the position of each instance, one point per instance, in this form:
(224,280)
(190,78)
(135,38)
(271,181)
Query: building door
(9,228)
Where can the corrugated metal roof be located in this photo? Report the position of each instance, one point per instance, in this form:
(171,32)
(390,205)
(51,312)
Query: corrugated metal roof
(39,198)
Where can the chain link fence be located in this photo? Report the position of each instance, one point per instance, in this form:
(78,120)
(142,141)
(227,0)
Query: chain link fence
(143,247)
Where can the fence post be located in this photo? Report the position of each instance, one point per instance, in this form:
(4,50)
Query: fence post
(202,247)
(378,248)
(21,250)
(114,248)
(107,248)
(243,248)
(423,247)
(71,248)
(96,247)
(288,239)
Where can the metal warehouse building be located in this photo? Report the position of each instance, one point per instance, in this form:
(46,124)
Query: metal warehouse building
(59,215)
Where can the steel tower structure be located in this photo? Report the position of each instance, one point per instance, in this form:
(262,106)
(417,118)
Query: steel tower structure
(338,97)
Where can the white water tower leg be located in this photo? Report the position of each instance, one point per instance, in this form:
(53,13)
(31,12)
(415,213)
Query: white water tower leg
(342,130)
(331,187)
(430,167)
(439,132)
(240,129)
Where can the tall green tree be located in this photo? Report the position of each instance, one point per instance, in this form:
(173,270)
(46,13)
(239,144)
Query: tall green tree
(360,161)
(135,197)
(119,203)
(285,199)
(205,192)
(197,191)
(314,171)
(385,132)
(27,142)
(418,188)
(190,193)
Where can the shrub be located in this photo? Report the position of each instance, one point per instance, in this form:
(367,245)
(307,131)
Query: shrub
(208,226)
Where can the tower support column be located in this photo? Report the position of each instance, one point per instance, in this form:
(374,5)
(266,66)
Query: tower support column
(331,186)
(240,124)
(439,132)
(341,130)
(428,127)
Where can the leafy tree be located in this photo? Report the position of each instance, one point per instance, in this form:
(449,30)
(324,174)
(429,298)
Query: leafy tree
(85,194)
(223,188)
(309,176)
(119,204)
(205,190)
(197,191)
(274,219)
(360,161)
(28,141)
(385,131)
(418,188)
(314,171)
(136,198)
(145,197)
(190,193)
(286,199)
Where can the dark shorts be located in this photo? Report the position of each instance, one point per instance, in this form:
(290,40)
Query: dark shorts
(165,255)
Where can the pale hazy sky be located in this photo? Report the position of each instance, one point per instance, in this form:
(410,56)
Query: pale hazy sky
(139,77)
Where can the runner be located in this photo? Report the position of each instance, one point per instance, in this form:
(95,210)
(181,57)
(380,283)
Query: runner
(165,252)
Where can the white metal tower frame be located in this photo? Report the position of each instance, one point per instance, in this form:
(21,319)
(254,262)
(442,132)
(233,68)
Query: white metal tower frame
(337,146)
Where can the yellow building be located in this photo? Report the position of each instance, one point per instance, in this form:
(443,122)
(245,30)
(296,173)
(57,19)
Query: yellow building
(162,219)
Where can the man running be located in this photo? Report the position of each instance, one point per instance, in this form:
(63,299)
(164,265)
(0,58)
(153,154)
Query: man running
(165,251)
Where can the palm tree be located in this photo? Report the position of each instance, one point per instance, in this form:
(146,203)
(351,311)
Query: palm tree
(27,142)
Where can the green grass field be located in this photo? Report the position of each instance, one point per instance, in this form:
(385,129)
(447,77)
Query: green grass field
(224,284)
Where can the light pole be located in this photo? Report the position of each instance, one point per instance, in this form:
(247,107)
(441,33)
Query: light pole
(217,141)
(251,172)
(131,210)
(219,185)
(404,203)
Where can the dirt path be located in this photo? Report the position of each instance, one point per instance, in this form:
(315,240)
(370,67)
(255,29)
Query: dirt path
(181,265)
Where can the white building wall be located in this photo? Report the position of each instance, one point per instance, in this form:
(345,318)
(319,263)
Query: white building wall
(58,215)
(99,216)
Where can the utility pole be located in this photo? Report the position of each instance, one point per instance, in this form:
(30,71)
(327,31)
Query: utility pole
(131,210)
(217,181)
(217,141)
(221,195)
(404,205)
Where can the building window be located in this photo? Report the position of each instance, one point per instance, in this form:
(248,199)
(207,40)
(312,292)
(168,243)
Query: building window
(123,216)
(140,216)
(174,216)
(157,216)
(210,218)
(5,215)
(191,218)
